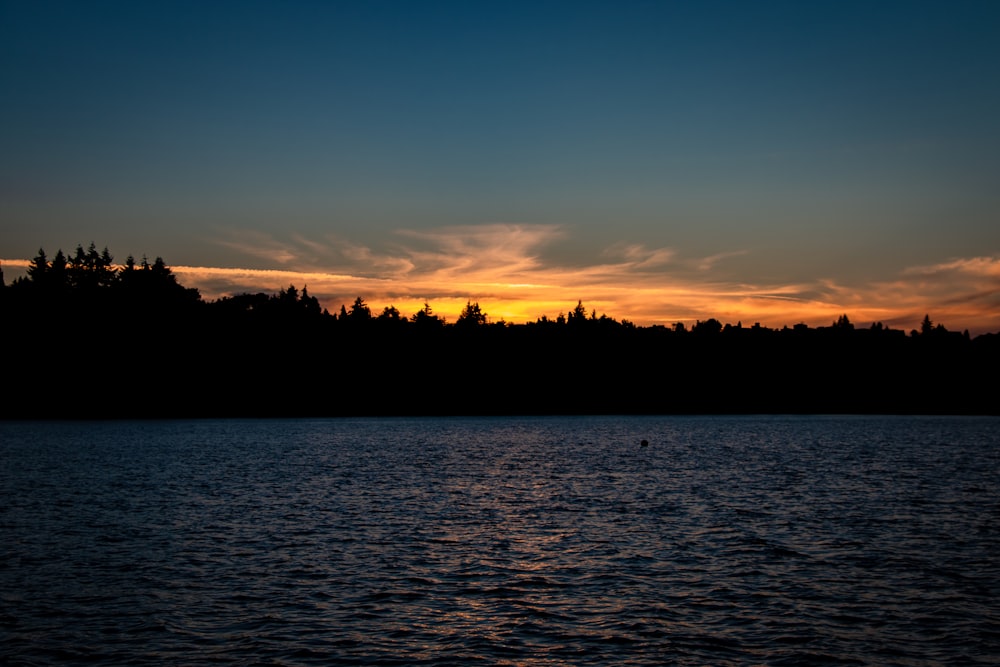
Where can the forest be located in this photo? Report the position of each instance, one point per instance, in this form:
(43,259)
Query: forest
(85,338)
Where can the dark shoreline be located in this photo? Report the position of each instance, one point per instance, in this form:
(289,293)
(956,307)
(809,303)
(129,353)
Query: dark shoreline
(494,372)
(83,339)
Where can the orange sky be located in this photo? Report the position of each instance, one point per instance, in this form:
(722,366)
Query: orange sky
(501,267)
(662,162)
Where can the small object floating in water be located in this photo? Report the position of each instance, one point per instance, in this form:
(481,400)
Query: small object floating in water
(644,443)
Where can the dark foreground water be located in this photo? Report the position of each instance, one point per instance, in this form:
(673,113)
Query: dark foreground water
(726,541)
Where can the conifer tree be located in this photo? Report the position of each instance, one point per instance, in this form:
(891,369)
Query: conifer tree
(38,267)
(472,315)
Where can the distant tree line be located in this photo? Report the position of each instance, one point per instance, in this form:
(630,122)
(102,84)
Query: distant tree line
(86,338)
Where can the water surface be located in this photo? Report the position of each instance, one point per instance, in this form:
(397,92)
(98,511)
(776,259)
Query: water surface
(726,541)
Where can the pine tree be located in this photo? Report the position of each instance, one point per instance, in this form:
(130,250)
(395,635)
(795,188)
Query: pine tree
(472,315)
(38,267)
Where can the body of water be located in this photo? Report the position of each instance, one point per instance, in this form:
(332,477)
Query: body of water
(496,541)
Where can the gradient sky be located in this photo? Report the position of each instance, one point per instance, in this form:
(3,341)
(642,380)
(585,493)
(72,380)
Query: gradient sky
(779,162)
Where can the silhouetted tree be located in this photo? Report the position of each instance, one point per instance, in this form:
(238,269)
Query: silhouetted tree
(310,304)
(426,319)
(606,322)
(214,356)
(843,323)
(90,269)
(389,314)
(472,316)
(128,277)
(360,312)
(38,267)
(578,316)
(711,326)
(106,259)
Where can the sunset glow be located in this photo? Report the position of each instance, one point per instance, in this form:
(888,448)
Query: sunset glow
(660,162)
(502,268)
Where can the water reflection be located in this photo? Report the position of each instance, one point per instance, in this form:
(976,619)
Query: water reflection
(502,541)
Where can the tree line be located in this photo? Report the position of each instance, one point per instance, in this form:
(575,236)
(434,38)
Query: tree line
(88,338)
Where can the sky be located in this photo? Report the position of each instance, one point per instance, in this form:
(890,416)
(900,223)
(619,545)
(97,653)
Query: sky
(772,162)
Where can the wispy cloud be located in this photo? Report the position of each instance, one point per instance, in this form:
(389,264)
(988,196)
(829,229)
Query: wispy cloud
(14,263)
(640,257)
(506,269)
(708,263)
(957,290)
(987,267)
(477,253)
(260,246)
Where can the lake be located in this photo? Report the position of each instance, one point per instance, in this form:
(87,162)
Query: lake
(502,541)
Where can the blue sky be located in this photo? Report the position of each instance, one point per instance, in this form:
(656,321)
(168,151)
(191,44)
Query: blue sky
(663,161)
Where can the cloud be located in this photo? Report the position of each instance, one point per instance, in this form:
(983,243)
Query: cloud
(15,263)
(260,246)
(957,290)
(987,267)
(637,256)
(503,267)
(708,263)
(477,253)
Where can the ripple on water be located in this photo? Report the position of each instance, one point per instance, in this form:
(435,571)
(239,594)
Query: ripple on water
(726,541)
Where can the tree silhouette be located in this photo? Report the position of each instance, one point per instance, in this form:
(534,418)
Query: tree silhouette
(38,267)
(843,323)
(90,269)
(426,319)
(390,314)
(309,304)
(577,316)
(710,327)
(360,313)
(229,356)
(472,316)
